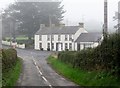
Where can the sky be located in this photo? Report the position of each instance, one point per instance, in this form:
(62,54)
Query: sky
(91,12)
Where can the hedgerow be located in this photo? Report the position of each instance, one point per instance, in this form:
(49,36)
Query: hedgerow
(9,59)
(106,57)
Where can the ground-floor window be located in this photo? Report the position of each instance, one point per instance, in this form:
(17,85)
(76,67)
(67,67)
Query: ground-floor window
(48,45)
(52,45)
(70,46)
(40,45)
(66,46)
(61,46)
(87,46)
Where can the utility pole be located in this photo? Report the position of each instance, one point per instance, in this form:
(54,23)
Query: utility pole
(50,25)
(119,17)
(105,32)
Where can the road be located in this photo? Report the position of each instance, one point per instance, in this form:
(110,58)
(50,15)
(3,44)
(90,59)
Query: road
(36,71)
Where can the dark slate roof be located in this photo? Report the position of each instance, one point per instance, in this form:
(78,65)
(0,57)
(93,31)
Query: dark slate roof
(58,30)
(89,37)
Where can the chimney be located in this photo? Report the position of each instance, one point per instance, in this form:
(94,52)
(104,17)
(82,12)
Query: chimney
(81,25)
(42,26)
(53,25)
(62,25)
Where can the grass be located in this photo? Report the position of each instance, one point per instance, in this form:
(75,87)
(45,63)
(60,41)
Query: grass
(11,77)
(19,38)
(83,78)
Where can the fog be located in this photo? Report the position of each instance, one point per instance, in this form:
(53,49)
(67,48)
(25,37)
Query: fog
(88,11)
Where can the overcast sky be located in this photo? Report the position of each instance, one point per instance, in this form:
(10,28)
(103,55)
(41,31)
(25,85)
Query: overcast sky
(88,11)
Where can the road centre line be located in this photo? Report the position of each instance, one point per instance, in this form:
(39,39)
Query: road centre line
(41,74)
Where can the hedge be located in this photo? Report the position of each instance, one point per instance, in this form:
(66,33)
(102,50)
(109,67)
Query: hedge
(9,59)
(106,57)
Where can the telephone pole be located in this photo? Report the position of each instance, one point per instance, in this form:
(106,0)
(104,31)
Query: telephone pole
(105,32)
(119,17)
(50,25)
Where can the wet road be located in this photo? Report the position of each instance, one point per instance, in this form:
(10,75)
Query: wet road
(36,71)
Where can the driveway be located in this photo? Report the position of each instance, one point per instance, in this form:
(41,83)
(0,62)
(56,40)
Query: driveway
(36,71)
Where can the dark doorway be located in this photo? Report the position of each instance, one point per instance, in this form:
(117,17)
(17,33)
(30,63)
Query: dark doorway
(56,46)
(78,47)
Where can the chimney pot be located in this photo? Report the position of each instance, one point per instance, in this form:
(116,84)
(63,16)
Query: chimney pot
(81,25)
(42,26)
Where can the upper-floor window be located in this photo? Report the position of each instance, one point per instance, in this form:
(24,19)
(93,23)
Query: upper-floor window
(66,37)
(40,37)
(48,37)
(70,37)
(59,37)
(52,37)
(70,46)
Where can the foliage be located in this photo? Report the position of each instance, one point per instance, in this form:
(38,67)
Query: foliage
(93,79)
(9,58)
(10,77)
(30,15)
(106,57)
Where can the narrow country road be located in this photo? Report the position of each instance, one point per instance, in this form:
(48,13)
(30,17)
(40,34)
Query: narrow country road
(36,71)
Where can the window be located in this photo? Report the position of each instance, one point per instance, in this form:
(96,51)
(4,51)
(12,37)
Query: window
(40,45)
(66,46)
(87,46)
(48,37)
(61,46)
(59,37)
(70,37)
(52,37)
(70,46)
(66,37)
(40,37)
(52,45)
(48,45)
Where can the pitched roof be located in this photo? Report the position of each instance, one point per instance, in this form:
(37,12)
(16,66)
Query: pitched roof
(89,37)
(58,30)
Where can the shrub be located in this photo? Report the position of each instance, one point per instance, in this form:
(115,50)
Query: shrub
(9,58)
(105,57)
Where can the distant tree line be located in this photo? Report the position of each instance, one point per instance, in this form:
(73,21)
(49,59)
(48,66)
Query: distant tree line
(29,15)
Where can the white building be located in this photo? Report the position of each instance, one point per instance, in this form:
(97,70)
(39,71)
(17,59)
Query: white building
(60,38)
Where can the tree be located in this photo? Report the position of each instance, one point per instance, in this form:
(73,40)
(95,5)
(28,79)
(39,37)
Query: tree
(31,14)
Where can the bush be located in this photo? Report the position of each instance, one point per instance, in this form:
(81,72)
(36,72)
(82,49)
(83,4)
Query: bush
(105,57)
(9,58)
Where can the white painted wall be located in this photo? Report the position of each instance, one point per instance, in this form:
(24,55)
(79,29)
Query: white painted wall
(63,41)
(36,41)
(77,34)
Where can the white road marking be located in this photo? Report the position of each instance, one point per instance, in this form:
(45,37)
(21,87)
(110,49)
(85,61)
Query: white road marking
(44,78)
(41,74)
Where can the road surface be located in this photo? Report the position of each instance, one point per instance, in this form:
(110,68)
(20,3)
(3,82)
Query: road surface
(36,71)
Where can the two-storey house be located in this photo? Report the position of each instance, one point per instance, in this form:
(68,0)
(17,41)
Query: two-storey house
(59,38)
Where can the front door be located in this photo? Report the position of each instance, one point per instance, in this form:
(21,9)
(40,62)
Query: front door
(78,47)
(56,46)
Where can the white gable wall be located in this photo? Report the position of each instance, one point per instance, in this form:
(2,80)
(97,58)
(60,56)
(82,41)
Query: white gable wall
(77,34)
(36,41)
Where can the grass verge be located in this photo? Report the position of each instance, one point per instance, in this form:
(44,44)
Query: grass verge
(11,77)
(84,78)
